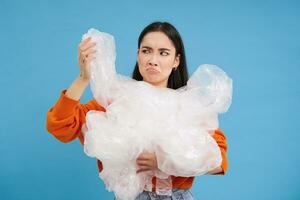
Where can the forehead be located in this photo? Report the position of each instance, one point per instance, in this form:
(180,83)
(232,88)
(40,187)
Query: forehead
(157,40)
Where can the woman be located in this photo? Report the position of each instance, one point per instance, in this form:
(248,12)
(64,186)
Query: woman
(160,62)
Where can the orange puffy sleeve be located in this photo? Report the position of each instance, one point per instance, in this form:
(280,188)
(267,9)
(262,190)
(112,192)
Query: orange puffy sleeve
(66,117)
(220,138)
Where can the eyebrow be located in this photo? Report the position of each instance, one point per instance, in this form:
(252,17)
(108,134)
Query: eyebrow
(161,49)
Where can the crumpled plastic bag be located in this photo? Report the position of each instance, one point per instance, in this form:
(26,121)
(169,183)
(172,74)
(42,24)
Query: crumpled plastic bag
(174,124)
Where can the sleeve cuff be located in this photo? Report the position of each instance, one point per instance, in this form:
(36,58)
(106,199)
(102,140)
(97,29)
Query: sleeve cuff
(65,106)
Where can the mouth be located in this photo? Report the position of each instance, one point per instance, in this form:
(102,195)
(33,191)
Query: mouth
(152,70)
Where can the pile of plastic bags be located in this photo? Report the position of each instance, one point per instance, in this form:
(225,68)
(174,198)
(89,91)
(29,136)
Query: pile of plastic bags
(174,124)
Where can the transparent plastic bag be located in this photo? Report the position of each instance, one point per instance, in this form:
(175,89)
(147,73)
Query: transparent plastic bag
(173,124)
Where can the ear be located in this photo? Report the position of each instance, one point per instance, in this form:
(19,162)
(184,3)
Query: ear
(177,61)
(137,54)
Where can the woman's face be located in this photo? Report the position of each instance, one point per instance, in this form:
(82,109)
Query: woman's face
(156,58)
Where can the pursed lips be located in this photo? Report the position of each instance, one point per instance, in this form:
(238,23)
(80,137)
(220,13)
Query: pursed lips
(152,69)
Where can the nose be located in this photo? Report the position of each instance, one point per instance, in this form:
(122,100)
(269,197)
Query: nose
(153,60)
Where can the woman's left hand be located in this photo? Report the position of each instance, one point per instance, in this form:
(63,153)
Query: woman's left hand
(146,162)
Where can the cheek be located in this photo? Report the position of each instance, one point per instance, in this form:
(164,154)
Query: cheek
(141,60)
(141,64)
(167,65)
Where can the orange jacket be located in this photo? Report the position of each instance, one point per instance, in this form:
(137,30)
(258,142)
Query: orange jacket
(65,118)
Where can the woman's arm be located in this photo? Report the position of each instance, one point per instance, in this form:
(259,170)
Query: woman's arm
(86,53)
(77,88)
(148,161)
(220,138)
(66,117)
(216,171)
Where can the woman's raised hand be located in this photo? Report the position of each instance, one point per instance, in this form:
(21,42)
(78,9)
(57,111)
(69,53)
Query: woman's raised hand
(86,53)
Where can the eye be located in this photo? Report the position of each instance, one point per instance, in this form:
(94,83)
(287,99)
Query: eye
(145,51)
(164,53)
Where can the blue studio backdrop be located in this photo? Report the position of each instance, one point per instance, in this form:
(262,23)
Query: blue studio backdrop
(256,42)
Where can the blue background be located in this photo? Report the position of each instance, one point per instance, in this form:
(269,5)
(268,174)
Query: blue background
(256,42)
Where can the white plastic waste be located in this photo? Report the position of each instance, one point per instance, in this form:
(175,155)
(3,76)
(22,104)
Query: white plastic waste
(174,124)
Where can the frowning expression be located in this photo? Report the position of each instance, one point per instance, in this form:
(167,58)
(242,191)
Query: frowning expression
(156,58)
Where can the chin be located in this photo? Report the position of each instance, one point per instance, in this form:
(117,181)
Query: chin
(152,81)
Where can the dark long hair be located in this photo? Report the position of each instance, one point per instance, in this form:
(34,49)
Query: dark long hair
(178,77)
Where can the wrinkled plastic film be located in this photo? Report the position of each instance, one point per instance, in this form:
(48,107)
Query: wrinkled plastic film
(103,72)
(174,124)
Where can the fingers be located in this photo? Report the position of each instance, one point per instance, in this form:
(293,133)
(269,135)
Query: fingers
(145,156)
(85,61)
(86,44)
(90,58)
(88,52)
(83,42)
(143,162)
(143,169)
(144,165)
(86,40)
(146,162)
(140,171)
